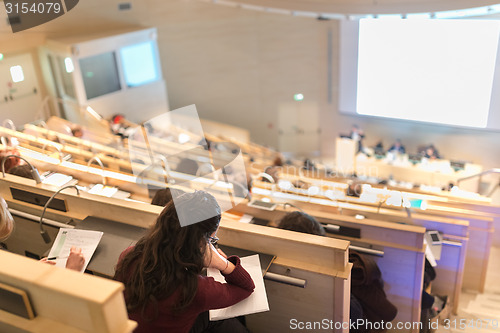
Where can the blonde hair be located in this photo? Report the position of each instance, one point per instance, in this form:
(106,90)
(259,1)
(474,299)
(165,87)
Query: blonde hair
(6,221)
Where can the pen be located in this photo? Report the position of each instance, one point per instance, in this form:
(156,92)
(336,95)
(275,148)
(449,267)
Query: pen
(54,258)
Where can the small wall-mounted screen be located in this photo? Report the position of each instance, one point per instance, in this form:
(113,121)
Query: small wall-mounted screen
(100,74)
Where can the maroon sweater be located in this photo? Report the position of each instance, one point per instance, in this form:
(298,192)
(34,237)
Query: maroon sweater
(210,295)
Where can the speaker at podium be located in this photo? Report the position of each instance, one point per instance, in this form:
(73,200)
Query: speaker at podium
(345,153)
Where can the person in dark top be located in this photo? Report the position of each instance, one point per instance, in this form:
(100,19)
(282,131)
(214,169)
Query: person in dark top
(302,222)
(431,152)
(358,135)
(397,148)
(379,148)
(309,165)
(164,288)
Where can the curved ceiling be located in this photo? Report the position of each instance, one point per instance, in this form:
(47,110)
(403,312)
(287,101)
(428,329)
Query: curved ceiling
(362,7)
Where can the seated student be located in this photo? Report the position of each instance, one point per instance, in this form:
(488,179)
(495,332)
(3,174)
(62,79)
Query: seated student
(272,171)
(397,148)
(309,165)
(368,299)
(301,222)
(75,261)
(379,148)
(207,144)
(77,131)
(120,126)
(431,152)
(187,166)
(278,161)
(23,170)
(164,288)
(10,162)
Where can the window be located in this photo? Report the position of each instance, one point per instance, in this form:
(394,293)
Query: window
(139,64)
(16,72)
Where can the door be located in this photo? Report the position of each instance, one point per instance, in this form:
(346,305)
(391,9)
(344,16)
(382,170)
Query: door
(299,131)
(20,97)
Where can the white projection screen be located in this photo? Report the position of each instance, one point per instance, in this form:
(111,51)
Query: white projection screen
(438,71)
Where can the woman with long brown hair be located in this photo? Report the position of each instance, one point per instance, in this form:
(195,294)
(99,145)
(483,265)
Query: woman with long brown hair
(164,288)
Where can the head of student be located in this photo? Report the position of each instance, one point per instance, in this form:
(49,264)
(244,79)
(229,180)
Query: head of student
(23,170)
(301,222)
(11,161)
(170,256)
(6,221)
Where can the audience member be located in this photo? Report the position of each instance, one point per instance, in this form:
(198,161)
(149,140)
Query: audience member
(77,131)
(278,161)
(431,152)
(379,148)
(301,222)
(272,171)
(119,125)
(23,170)
(397,148)
(309,165)
(358,135)
(10,162)
(164,288)
(207,144)
(187,166)
(75,260)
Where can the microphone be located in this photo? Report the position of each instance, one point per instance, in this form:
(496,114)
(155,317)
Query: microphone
(98,160)
(43,232)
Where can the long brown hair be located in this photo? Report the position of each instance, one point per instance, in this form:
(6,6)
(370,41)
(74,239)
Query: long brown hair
(169,256)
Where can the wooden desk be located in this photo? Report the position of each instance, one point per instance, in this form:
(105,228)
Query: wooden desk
(433,173)
(64,300)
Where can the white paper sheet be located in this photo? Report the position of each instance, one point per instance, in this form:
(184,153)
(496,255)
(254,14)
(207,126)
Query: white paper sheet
(105,191)
(87,240)
(57,179)
(256,302)
(246,218)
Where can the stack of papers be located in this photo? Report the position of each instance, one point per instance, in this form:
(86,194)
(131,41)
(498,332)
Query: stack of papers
(256,302)
(105,191)
(57,179)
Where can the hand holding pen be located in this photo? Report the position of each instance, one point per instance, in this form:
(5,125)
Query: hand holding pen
(75,261)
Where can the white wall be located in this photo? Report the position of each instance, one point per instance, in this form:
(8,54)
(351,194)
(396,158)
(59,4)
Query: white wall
(238,66)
